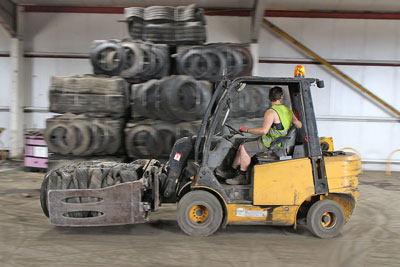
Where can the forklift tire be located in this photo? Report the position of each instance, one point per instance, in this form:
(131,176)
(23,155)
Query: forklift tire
(199,213)
(325,219)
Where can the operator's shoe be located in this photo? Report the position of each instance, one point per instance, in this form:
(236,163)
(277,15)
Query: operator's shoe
(225,173)
(239,179)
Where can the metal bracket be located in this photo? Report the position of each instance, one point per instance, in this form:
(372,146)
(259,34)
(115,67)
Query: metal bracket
(116,205)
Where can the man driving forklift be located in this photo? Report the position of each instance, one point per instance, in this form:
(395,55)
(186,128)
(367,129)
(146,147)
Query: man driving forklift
(277,121)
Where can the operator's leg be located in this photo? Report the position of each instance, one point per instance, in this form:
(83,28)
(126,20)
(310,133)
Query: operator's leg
(236,161)
(245,159)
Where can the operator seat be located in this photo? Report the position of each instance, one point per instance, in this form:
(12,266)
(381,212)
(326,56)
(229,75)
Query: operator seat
(275,152)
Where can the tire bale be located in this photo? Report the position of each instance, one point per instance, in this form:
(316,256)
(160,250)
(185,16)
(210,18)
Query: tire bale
(134,59)
(149,62)
(82,135)
(100,138)
(234,60)
(96,139)
(258,101)
(136,13)
(194,62)
(187,129)
(240,104)
(168,133)
(60,138)
(143,141)
(186,97)
(247,61)
(144,98)
(114,141)
(104,51)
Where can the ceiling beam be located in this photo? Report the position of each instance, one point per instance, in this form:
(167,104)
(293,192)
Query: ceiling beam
(231,12)
(8,16)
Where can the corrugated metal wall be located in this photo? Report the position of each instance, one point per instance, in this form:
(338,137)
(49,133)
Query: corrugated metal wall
(348,41)
(333,39)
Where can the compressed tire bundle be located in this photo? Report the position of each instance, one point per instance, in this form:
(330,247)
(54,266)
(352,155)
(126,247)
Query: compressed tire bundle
(212,61)
(252,102)
(69,134)
(88,175)
(173,98)
(107,57)
(164,24)
(135,61)
(89,94)
(155,139)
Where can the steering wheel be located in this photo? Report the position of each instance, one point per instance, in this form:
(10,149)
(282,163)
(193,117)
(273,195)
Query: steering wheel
(233,130)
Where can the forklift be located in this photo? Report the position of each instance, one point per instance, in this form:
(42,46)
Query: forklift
(300,178)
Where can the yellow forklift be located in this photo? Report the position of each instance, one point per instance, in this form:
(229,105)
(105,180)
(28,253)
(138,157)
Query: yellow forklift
(294,181)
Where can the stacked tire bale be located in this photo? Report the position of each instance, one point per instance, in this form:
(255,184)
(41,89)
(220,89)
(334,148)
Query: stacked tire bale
(89,94)
(171,75)
(81,135)
(170,108)
(167,25)
(213,61)
(173,98)
(94,107)
(135,61)
(155,138)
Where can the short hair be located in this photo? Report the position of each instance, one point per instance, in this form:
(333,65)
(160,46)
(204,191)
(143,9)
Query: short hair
(275,93)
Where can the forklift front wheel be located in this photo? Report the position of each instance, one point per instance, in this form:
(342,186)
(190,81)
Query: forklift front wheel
(199,213)
(325,218)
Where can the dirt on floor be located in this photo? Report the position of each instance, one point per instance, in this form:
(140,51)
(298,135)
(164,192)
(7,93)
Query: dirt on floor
(370,238)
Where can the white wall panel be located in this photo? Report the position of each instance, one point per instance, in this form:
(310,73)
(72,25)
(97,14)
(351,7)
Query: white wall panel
(38,72)
(372,139)
(4,123)
(355,39)
(37,119)
(340,98)
(70,33)
(228,29)
(5,81)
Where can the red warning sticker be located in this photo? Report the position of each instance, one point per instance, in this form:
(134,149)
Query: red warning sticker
(177,156)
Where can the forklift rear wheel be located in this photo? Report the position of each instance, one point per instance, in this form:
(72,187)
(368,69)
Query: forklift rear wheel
(325,218)
(199,213)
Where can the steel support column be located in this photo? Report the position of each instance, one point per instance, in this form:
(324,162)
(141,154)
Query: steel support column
(254,47)
(17,100)
(257,15)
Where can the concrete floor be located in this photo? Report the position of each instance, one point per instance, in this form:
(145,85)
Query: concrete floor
(370,238)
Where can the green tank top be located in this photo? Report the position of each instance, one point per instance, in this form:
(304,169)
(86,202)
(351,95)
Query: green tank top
(286,118)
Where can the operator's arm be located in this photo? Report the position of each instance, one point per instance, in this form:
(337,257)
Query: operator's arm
(268,120)
(297,122)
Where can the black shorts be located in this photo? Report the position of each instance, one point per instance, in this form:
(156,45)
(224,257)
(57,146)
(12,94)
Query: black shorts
(255,146)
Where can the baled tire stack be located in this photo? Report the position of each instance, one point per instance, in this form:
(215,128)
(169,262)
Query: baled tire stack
(133,60)
(80,135)
(88,175)
(89,94)
(155,139)
(211,62)
(173,98)
(252,102)
(168,25)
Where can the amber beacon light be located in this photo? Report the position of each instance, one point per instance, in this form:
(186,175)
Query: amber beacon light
(299,71)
